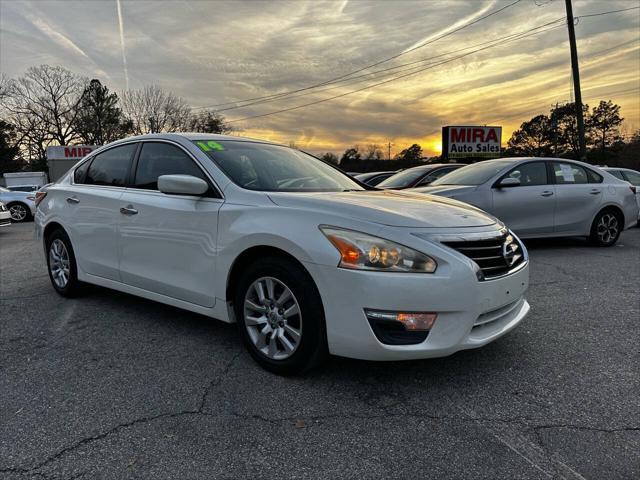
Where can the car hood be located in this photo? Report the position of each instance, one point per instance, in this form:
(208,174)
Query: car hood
(446,190)
(389,207)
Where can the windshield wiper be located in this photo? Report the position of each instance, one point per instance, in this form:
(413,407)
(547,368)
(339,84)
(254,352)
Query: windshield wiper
(353,190)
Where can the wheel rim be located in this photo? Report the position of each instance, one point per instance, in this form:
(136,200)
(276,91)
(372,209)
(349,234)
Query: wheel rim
(272,318)
(18,212)
(607,228)
(59,264)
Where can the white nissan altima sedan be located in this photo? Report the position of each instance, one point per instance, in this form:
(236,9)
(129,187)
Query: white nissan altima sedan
(306,260)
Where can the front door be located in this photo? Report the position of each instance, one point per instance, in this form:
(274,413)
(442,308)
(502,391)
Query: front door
(528,208)
(168,242)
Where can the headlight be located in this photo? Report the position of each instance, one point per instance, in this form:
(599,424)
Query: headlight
(360,251)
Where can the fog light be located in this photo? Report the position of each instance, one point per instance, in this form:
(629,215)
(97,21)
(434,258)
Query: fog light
(400,328)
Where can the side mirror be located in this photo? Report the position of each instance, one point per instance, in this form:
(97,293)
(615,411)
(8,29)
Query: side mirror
(182,185)
(509,182)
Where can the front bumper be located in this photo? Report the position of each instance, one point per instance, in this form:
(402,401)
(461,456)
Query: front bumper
(5,218)
(471,313)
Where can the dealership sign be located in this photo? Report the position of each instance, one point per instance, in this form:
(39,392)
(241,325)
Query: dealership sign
(69,152)
(471,141)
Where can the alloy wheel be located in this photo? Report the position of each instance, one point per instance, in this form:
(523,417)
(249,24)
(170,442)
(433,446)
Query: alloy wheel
(272,318)
(18,212)
(607,228)
(59,263)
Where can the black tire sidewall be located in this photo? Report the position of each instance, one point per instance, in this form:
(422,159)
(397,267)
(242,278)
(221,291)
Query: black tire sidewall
(72,287)
(313,340)
(595,239)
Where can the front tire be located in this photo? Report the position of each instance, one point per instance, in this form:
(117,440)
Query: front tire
(606,228)
(280,316)
(61,263)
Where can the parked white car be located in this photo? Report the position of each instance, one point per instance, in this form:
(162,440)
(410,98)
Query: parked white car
(5,215)
(545,197)
(21,205)
(302,257)
(628,175)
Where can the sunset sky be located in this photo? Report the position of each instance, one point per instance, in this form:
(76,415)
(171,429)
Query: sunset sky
(213,52)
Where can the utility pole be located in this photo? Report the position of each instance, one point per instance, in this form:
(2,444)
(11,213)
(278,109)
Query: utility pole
(576,80)
(389,151)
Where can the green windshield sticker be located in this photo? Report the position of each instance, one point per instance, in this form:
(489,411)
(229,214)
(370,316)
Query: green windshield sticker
(209,145)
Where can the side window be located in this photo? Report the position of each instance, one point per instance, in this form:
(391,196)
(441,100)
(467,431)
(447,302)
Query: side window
(434,176)
(593,176)
(530,174)
(157,159)
(632,177)
(111,167)
(617,174)
(81,172)
(568,173)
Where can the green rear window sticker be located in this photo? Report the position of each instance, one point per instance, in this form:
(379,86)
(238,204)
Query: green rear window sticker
(209,145)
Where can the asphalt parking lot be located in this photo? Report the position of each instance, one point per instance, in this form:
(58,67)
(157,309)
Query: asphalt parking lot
(113,386)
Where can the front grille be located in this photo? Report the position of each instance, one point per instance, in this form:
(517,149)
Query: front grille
(495,256)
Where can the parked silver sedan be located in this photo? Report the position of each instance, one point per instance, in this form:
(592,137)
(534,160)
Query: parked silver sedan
(21,205)
(545,197)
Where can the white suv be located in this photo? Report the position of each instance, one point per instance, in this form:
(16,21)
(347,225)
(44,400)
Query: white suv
(304,258)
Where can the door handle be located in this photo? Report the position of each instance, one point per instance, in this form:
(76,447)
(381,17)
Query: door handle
(547,193)
(128,210)
(594,192)
(72,200)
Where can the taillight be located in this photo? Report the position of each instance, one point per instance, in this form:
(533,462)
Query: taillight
(39,197)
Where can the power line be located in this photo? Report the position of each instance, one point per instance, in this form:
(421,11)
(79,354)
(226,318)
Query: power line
(296,107)
(393,57)
(422,69)
(399,68)
(607,13)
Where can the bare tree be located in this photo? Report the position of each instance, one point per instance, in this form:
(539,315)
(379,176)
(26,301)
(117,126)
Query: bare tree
(373,152)
(151,109)
(50,96)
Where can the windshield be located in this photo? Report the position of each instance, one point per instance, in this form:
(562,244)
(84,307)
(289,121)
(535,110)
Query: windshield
(475,174)
(272,168)
(404,178)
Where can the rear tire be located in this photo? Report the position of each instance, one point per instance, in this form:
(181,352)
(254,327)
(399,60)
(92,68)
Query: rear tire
(280,316)
(61,264)
(19,212)
(606,228)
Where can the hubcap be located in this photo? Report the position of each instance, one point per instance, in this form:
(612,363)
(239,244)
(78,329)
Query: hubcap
(18,212)
(607,228)
(59,264)
(272,318)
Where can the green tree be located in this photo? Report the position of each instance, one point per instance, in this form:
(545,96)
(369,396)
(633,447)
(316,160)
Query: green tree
(10,160)
(100,120)
(209,121)
(604,123)
(564,129)
(351,155)
(533,138)
(329,158)
(411,154)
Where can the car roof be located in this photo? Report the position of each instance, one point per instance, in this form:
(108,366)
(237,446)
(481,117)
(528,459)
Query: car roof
(194,136)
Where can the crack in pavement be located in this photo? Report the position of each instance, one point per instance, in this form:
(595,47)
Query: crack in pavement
(293,419)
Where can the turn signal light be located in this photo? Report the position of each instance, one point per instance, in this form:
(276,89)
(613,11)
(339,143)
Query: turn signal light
(412,321)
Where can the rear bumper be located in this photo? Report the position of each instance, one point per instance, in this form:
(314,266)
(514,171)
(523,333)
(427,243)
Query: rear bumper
(5,219)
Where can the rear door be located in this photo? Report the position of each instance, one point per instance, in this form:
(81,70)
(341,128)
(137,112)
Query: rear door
(579,196)
(91,209)
(168,242)
(529,208)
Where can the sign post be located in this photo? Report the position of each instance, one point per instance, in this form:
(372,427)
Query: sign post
(464,141)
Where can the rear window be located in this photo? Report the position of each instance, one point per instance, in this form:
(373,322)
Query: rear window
(111,167)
